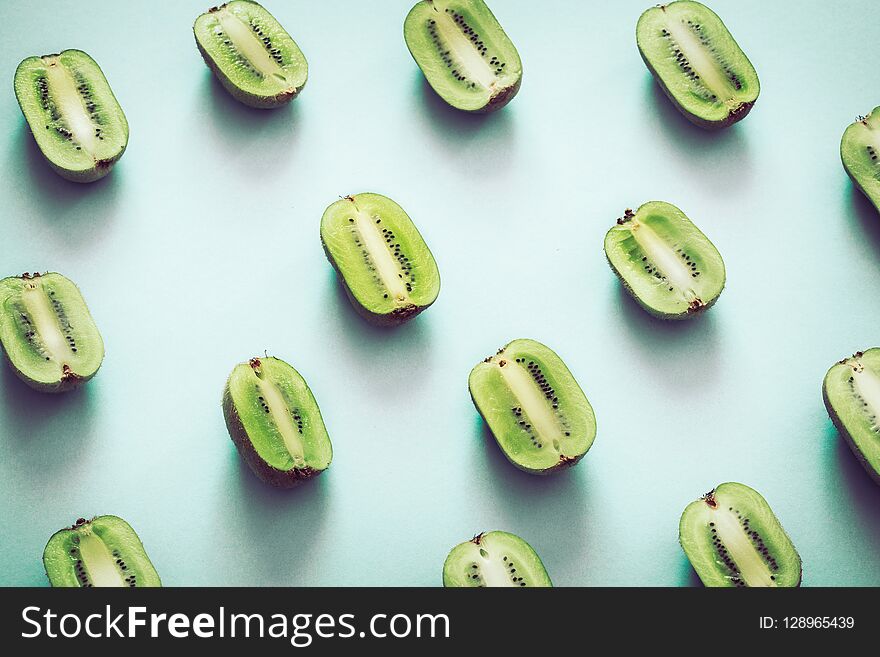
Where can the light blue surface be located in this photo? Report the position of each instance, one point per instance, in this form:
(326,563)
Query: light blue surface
(201,249)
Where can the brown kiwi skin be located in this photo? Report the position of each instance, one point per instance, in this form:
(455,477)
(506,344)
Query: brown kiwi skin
(499,100)
(564,463)
(397,317)
(835,418)
(266,473)
(736,114)
(251,100)
(101,169)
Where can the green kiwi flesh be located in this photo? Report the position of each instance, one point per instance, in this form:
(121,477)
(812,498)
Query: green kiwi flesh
(104,551)
(72,112)
(251,54)
(536,410)
(388,271)
(697,63)
(47,332)
(851,391)
(275,423)
(664,261)
(494,559)
(464,53)
(860,152)
(733,539)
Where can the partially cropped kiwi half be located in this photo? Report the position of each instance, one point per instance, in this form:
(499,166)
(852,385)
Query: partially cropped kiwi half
(697,63)
(494,559)
(851,391)
(536,410)
(275,423)
(47,332)
(103,551)
(463,52)
(251,54)
(733,539)
(388,271)
(665,262)
(860,152)
(72,113)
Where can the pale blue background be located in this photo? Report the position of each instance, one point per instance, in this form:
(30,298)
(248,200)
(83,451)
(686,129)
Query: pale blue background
(201,249)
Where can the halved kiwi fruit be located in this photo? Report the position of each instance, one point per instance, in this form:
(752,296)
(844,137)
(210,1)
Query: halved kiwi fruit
(494,559)
(664,261)
(103,551)
(697,63)
(275,423)
(851,391)
(254,58)
(860,152)
(47,332)
(536,410)
(464,54)
(388,271)
(732,538)
(72,112)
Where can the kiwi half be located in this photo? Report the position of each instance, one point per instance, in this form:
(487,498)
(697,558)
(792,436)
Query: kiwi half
(47,332)
(494,559)
(664,261)
(275,423)
(851,391)
(72,112)
(387,269)
(732,538)
(254,58)
(697,63)
(464,54)
(103,551)
(536,410)
(860,152)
